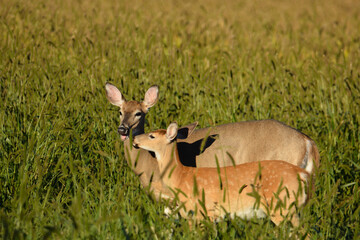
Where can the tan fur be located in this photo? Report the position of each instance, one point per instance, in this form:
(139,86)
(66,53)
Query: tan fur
(225,198)
(244,141)
(253,141)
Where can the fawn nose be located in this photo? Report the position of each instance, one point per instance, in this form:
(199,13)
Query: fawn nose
(123,130)
(135,145)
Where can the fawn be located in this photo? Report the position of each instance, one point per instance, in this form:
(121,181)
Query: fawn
(262,188)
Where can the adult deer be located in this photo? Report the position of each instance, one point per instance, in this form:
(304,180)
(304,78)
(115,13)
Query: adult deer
(251,189)
(132,118)
(241,142)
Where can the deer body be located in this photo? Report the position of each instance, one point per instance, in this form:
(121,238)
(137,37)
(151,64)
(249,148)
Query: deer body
(249,141)
(230,190)
(244,141)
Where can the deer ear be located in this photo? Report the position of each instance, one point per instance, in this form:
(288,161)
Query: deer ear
(171,131)
(114,95)
(151,96)
(186,131)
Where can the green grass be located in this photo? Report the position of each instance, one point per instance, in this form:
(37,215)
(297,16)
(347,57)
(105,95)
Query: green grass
(62,170)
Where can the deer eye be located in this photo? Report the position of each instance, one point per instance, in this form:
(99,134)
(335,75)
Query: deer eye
(138,114)
(121,113)
(151,136)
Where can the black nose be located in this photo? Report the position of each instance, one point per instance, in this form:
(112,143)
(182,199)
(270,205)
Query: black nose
(123,131)
(135,145)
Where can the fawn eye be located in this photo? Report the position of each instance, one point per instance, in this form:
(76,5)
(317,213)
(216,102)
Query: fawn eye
(151,136)
(120,113)
(138,114)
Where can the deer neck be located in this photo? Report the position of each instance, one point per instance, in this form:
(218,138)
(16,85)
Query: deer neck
(132,154)
(170,165)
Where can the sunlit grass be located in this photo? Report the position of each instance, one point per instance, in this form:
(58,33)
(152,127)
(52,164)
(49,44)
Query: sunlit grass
(62,170)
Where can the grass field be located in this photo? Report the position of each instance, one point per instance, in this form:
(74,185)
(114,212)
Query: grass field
(62,170)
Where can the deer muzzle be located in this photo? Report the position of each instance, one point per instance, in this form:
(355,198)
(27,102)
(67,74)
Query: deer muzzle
(123,130)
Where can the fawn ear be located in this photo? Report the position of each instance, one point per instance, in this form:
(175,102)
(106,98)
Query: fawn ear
(114,95)
(171,131)
(185,131)
(151,96)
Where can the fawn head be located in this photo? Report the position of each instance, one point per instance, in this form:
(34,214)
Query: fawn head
(156,141)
